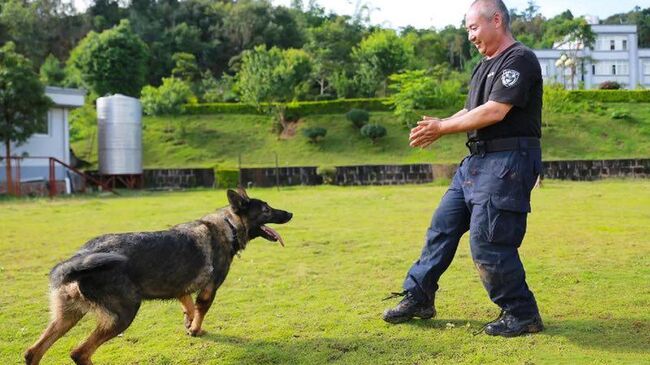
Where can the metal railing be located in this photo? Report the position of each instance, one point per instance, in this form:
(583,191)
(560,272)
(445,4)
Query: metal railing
(53,190)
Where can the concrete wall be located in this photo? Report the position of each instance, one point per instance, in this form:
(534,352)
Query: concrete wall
(287,176)
(178,178)
(597,169)
(387,174)
(384,174)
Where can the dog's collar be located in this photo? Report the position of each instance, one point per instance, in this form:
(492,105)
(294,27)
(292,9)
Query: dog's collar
(236,243)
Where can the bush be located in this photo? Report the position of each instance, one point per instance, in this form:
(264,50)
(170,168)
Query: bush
(226,178)
(610,85)
(166,99)
(358,117)
(315,134)
(610,96)
(620,114)
(373,131)
(418,90)
(328,173)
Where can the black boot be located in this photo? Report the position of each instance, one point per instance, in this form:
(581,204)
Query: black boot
(508,325)
(409,308)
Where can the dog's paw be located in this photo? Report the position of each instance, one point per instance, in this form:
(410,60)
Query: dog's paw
(187,321)
(195,332)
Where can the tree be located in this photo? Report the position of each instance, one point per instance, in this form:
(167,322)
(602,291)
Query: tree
(573,35)
(329,46)
(382,53)
(269,78)
(113,61)
(420,89)
(51,72)
(168,98)
(23,100)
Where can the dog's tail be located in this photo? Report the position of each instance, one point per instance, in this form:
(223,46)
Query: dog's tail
(84,264)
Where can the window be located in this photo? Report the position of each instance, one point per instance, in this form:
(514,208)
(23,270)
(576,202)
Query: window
(44,125)
(622,68)
(614,69)
(625,44)
(593,69)
(612,45)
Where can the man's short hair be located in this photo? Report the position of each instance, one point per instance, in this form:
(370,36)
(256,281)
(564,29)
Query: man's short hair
(491,7)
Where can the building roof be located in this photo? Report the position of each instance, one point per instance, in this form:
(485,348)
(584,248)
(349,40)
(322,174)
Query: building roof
(66,97)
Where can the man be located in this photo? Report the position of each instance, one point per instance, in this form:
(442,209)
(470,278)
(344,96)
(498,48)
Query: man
(490,192)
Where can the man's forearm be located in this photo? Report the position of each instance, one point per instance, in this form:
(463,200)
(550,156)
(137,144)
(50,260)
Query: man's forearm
(483,116)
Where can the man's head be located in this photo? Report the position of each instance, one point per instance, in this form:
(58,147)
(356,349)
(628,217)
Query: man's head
(488,25)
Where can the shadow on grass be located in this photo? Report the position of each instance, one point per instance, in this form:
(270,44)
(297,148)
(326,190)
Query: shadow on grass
(618,335)
(318,350)
(615,335)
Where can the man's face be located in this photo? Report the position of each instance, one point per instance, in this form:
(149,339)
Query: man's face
(481,32)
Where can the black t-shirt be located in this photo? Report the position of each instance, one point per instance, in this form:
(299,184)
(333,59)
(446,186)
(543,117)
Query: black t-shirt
(512,77)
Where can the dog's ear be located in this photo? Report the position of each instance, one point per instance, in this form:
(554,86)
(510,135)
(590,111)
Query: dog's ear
(242,192)
(237,202)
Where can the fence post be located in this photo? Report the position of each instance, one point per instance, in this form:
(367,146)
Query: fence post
(52,178)
(277,171)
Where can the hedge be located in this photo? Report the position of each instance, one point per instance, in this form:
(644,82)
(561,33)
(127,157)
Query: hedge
(301,108)
(227,179)
(341,106)
(610,96)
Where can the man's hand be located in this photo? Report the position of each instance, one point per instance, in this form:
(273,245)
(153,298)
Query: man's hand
(426,132)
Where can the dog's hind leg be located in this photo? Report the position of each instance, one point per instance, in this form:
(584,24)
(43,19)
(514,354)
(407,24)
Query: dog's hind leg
(113,320)
(67,309)
(203,302)
(188,309)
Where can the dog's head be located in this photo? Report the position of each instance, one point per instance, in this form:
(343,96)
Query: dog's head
(256,214)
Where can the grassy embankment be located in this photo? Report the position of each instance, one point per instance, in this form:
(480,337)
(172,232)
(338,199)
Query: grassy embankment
(210,140)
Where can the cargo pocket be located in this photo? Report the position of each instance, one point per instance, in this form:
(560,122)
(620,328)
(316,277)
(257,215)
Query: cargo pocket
(506,220)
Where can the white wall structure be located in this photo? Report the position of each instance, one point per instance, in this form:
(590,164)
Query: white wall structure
(614,56)
(52,141)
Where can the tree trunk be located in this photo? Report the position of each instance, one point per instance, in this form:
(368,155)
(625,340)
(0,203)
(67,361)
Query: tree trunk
(10,185)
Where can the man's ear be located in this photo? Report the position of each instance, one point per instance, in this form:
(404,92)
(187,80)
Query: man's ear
(237,202)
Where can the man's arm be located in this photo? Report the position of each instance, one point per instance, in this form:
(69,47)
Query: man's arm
(429,130)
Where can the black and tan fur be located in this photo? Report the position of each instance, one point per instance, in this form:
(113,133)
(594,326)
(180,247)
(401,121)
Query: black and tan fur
(111,274)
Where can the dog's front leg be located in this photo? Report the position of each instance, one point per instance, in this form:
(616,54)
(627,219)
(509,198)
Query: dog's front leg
(203,302)
(188,309)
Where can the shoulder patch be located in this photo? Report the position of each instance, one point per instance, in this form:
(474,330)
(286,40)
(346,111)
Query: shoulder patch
(509,77)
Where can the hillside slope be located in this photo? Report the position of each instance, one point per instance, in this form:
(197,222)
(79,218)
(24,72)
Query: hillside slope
(211,140)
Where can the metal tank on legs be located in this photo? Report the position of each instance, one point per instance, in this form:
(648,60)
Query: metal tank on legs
(119,119)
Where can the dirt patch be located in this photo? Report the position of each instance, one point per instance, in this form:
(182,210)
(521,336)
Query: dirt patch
(291,129)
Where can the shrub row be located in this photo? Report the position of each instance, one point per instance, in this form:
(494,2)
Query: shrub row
(304,108)
(610,96)
(301,108)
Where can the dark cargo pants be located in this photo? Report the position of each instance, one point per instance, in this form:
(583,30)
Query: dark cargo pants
(489,196)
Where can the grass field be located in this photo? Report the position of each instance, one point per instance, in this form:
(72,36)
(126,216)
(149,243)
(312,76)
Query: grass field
(209,140)
(587,255)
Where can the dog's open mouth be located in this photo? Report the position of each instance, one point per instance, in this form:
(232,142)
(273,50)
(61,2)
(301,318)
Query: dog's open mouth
(271,235)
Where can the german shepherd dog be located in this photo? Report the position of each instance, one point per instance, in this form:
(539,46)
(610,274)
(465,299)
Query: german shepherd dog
(111,274)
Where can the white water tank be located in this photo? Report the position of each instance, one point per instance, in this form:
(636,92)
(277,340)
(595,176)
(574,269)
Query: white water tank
(119,119)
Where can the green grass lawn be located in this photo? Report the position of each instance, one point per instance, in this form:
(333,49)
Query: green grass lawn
(209,140)
(318,300)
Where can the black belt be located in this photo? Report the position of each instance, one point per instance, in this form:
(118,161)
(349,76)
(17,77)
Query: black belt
(502,144)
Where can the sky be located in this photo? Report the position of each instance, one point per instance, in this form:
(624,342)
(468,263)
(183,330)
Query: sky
(438,14)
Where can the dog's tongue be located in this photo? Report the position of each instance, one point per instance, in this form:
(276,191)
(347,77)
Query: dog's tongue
(271,232)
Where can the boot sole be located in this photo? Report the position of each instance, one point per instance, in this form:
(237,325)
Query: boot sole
(527,330)
(396,320)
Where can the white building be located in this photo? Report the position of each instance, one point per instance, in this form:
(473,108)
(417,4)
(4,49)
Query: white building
(615,56)
(53,140)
